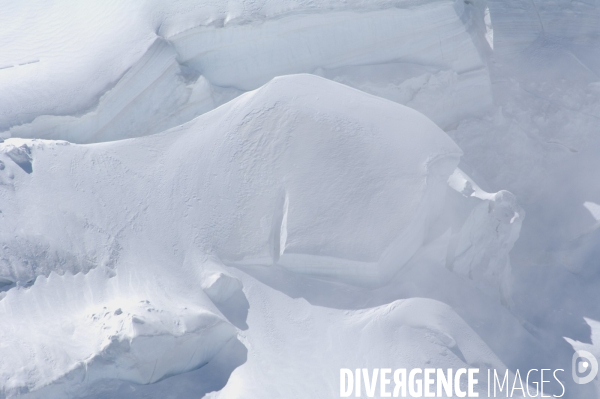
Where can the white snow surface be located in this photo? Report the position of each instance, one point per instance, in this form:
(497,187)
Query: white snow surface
(119,70)
(231,227)
(377,174)
(347,196)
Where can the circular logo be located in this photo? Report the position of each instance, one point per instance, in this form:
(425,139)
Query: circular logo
(584,367)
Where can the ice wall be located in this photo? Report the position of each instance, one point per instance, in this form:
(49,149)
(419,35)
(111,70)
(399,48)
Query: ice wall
(126,278)
(183,68)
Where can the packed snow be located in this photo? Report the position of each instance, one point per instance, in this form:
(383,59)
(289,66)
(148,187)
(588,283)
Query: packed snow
(174,66)
(238,199)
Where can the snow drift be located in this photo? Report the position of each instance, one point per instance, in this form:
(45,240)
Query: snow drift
(117,252)
(124,243)
(175,61)
(284,174)
(338,195)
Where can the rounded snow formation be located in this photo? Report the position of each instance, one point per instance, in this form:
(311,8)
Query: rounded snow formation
(306,173)
(100,74)
(319,178)
(67,333)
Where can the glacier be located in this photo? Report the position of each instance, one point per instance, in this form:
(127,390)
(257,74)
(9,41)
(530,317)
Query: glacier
(237,199)
(338,196)
(171,81)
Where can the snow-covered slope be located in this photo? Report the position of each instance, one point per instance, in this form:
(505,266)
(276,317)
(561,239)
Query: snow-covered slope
(424,332)
(127,247)
(302,218)
(378,175)
(347,196)
(179,60)
(73,331)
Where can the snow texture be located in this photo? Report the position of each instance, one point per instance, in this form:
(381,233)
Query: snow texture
(237,199)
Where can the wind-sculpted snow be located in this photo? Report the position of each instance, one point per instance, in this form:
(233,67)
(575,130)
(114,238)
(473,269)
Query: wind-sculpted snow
(378,175)
(156,93)
(303,175)
(484,243)
(410,332)
(186,69)
(295,43)
(69,332)
(339,196)
(346,196)
(270,237)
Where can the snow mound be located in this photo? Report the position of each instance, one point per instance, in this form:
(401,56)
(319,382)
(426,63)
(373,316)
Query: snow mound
(407,333)
(68,332)
(514,82)
(331,181)
(304,173)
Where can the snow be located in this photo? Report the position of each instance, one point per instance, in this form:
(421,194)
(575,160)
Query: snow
(264,192)
(593,208)
(437,335)
(489,29)
(387,165)
(157,78)
(486,238)
(95,330)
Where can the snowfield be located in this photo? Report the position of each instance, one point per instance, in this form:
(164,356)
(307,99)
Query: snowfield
(164,67)
(238,199)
